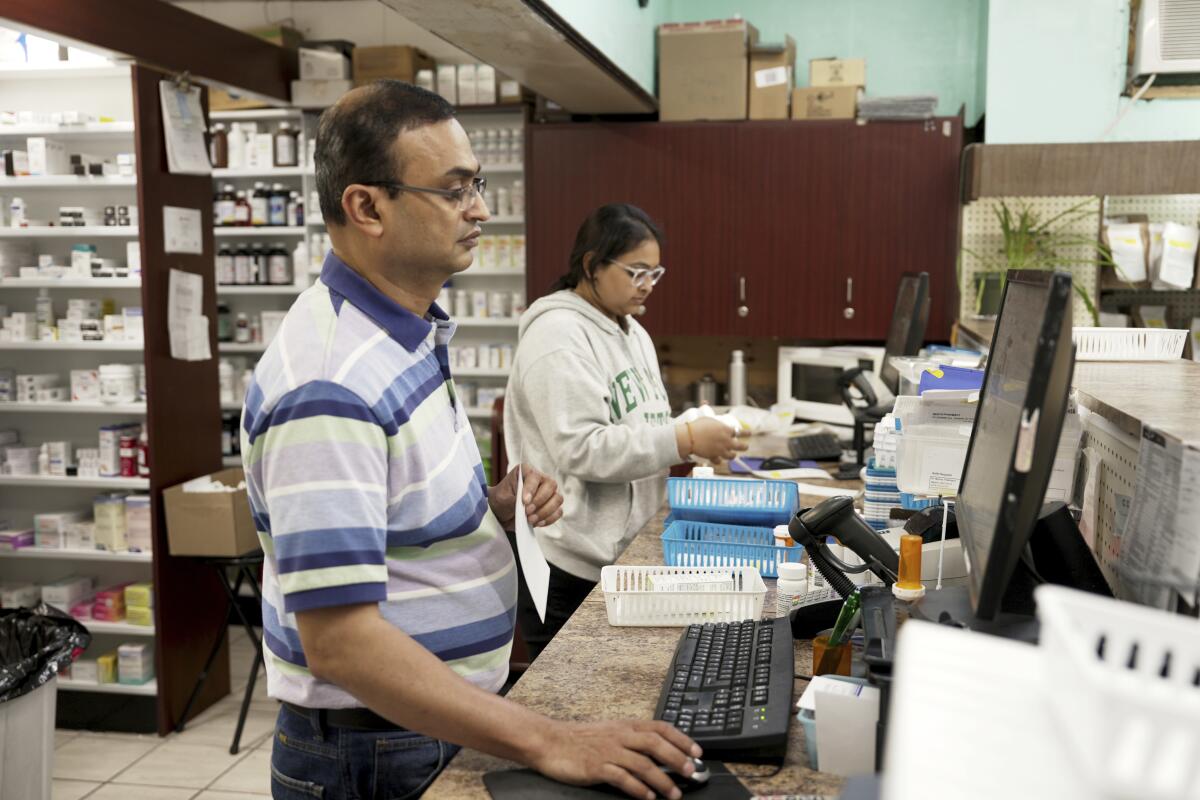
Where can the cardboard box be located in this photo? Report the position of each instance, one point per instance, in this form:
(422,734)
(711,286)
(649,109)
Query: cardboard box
(485,85)
(447,83)
(772,67)
(508,90)
(224,100)
(825,102)
(323,65)
(466,84)
(399,63)
(210,523)
(703,69)
(319,94)
(837,72)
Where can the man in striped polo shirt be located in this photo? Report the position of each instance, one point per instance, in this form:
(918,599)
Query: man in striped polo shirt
(389,587)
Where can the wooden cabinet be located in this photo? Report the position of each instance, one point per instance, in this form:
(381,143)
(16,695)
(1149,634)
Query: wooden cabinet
(814,220)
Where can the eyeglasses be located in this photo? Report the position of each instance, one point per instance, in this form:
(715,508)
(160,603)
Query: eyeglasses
(640,276)
(464,197)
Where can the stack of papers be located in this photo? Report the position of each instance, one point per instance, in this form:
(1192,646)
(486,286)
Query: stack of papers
(908,107)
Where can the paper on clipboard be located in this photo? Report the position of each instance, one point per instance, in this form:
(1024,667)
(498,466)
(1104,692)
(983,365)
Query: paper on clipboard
(186,326)
(534,566)
(184,128)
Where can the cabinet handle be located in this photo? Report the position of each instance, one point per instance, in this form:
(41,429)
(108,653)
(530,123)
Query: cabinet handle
(849,290)
(743,310)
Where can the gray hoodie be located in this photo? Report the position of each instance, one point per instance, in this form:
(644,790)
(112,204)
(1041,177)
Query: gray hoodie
(586,404)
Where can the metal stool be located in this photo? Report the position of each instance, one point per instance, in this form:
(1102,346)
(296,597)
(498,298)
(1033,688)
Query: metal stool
(247,570)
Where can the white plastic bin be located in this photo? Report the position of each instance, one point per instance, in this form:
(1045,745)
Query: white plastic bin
(929,459)
(1128,344)
(630,601)
(27,744)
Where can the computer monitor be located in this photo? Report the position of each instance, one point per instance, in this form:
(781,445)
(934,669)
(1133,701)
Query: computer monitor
(1016,432)
(907,331)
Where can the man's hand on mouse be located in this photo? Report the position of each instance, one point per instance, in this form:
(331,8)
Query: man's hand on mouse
(624,754)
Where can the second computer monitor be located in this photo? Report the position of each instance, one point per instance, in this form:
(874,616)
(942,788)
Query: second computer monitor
(907,331)
(1016,431)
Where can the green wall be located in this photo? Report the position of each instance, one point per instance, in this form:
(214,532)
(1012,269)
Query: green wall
(619,29)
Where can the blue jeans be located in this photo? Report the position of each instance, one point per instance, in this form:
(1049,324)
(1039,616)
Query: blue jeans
(312,760)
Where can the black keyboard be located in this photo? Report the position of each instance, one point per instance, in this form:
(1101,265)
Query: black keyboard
(817,446)
(729,687)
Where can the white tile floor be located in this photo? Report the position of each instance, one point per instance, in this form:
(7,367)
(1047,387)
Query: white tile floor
(193,765)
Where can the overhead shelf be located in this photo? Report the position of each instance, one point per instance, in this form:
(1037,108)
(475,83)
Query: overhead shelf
(63,232)
(75,483)
(259,290)
(1066,170)
(80,346)
(90,130)
(73,408)
(235,347)
(70,283)
(480,272)
(506,221)
(65,554)
(476,372)
(261,231)
(64,70)
(254,114)
(262,172)
(488,322)
(150,688)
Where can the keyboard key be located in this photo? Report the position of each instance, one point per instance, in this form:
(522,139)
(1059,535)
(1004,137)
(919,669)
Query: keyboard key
(708,730)
(691,699)
(670,716)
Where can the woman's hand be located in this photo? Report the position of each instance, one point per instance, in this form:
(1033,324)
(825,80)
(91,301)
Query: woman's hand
(709,439)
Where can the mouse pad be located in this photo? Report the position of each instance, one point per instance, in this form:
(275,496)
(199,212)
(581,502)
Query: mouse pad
(526,784)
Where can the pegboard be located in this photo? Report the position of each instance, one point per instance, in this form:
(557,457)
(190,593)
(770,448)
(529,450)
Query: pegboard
(1183,208)
(981,234)
(1115,487)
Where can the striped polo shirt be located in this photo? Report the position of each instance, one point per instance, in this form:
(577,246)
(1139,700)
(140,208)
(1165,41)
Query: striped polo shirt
(367,487)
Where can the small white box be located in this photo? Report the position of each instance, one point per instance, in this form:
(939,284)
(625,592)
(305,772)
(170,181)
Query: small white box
(323,65)
(135,663)
(67,592)
(319,94)
(466,84)
(133,257)
(81,535)
(47,157)
(85,670)
(425,79)
(447,83)
(50,529)
(485,85)
(19,595)
(504,252)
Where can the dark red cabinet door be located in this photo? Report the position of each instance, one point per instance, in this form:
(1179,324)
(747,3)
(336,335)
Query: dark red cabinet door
(797,222)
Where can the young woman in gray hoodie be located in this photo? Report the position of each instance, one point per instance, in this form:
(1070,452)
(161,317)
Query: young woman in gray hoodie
(586,403)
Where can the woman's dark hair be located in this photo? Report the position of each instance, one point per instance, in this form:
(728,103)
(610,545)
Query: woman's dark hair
(607,232)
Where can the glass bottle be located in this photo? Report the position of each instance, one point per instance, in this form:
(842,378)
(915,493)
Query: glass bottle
(218,147)
(258,204)
(277,199)
(285,146)
(241,331)
(279,265)
(241,210)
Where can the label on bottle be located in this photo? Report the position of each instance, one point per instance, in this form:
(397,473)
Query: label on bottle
(225,269)
(285,151)
(241,269)
(258,211)
(277,210)
(241,214)
(227,211)
(279,269)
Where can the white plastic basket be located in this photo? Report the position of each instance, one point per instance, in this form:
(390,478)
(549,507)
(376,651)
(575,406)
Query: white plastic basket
(631,602)
(1128,344)
(1133,732)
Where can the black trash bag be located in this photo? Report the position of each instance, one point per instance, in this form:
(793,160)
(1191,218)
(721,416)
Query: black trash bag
(35,643)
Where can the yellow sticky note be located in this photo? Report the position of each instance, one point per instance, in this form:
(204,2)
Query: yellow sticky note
(937,373)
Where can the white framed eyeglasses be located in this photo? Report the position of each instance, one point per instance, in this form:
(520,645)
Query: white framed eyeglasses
(640,275)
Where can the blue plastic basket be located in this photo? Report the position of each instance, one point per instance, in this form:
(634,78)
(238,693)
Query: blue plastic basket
(736,501)
(687,543)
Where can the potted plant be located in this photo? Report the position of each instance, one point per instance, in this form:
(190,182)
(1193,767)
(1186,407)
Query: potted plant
(1028,242)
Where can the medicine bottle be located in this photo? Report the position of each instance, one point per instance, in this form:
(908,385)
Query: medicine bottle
(277,200)
(258,204)
(218,147)
(737,379)
(241,333)
(241,209)
(791,587)
(241,265)
(224,265)
(279,265)
(285,146)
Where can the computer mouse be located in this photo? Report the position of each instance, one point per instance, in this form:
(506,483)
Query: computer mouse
(779,462)
(697,780)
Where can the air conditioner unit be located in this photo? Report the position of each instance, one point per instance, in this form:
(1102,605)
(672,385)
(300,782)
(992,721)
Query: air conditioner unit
(1168,42)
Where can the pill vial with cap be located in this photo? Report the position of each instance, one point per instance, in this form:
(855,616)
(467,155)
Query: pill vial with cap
(783,538)
(908,586)
(791,587)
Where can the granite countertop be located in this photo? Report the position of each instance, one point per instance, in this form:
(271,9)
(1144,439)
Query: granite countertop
(594,671)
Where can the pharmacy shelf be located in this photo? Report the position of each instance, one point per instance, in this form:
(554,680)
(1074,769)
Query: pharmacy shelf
(315,222)
(67,182)
(60,232)
(89,130)
(500,169)
(234,347)
(488,322)
(231,406)
(261,231)
(76,483)
(70,283)
(231,461)
(476,372)
(250,114)
(73,408)
(61,70)
(265,172)
(149,689)
(123,628)
(73,554)
(505,221)
(480,272)
(81,346)
(259,290)
(479,412)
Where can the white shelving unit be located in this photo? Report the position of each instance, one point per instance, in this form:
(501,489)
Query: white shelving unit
(102,92)
(80,232)
(499,220)
(256,115)
(260,172)
(149,689)
(70,283)
(260,232)
(73,408)
(477,372)
(133,484)
(488,322)
(262,291)
(20,183)
(235,347)
(73,554)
